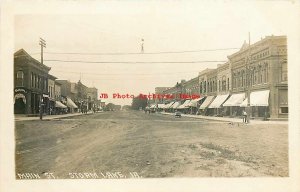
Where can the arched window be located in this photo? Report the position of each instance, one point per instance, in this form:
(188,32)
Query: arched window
(227,83)
(223,83)
(201,87)
(259,74)
(284,71)
(242,76)
(20,78)
(255,76)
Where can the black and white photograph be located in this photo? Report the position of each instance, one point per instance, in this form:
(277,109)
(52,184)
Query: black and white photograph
(139,91)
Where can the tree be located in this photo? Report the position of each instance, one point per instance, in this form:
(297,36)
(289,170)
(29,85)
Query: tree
(139,102)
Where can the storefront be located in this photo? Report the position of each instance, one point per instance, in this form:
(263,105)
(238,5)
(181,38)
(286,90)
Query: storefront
(259,102)
(72,107)
(184,107)
(233,104)
(203,107)
(59,108)
(216,105)
(20,101)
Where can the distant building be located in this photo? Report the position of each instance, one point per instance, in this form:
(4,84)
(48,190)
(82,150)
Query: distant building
(160,91)
(92,95)
(203,80)
(57,89)
(51,90)
(175,91)
(68,95)
(192,87)
(30,83)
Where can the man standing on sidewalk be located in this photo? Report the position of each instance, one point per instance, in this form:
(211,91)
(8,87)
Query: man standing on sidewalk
(244,116)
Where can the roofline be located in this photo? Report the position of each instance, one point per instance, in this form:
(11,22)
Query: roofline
(31,58)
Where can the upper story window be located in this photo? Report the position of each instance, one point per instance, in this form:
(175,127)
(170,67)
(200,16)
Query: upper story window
(20,78)
(32,80)
(284,71)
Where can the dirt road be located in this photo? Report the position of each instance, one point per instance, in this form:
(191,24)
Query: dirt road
(130,144)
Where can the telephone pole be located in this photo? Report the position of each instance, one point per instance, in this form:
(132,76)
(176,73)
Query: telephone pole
(42,43)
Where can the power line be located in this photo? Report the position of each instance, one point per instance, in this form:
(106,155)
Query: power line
(107,74)
(139,53)
(134,62)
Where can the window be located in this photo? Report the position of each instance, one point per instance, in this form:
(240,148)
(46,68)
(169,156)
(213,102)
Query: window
(20,78)
(223,83)
(32,80)
(284,110)
(284,72)
(267,71)
(35,81)
(227,83)
(201,88)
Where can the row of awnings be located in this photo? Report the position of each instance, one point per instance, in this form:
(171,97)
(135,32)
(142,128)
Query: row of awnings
(69,103)
(257,98)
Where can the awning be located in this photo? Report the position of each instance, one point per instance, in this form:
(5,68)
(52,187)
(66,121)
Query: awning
(166,106)
(259,98)
(71,104)
(207,101)
(244,103)
(169,105)
(153,106)
(235,100)
(219,100)
(59,104)
(184,105)
(160,106)
(194,102)
(175,105)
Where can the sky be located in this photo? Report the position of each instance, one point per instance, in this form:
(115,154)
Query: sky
(165,26)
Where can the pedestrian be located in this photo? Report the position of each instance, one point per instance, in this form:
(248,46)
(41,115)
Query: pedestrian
(244,116)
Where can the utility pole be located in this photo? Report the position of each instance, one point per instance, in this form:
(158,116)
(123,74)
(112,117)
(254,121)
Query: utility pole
(248,83)
(42,43)
(142,46)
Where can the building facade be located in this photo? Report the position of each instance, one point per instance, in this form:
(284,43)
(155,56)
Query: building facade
(262,66)
(160,91)
(254,79)
(50,106)
(30,83)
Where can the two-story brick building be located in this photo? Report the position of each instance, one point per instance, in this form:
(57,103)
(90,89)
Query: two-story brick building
(30,83)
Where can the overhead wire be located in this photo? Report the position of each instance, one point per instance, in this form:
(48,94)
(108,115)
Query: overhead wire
(139,53)
(133,62)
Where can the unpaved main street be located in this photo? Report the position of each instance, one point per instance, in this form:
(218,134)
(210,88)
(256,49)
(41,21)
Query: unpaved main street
(132,143)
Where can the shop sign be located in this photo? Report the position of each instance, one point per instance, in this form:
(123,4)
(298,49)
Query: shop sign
(20,90)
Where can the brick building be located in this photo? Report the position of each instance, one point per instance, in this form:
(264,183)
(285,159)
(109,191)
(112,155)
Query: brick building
(30,83)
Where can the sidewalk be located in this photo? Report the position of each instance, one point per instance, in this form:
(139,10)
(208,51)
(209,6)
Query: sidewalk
(48,117)
(227,119)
